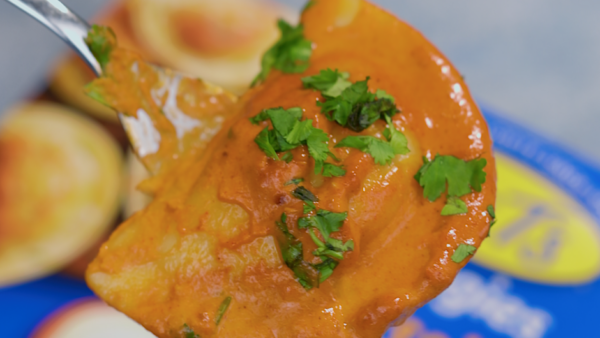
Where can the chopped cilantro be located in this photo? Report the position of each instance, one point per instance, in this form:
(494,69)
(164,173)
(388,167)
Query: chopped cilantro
(189,333)
(382,94)
(308,208)
(350,104)
(290,54)
(222,309)
(294,181)
(293,257)
(282,225)
(492,212)
(287,157)
(264,142)
(327,223)
(381,151)
(289,132)
(262,116)
(304,194)
(101,40)
(95,92)
(457,175)
(454,206)
(463,251)
(326,268)
(396,138)
(330,83)
(307,197)
(330,170)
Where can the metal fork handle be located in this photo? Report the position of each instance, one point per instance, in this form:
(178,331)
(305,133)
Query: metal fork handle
(63,22)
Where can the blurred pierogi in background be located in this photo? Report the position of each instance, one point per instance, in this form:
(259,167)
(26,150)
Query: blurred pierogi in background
(219,41)
(60,184)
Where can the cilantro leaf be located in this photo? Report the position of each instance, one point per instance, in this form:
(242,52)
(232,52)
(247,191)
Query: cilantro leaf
(262,116)
(222,309)
(264,142)
(364,115)
(396,138)
(308,207)
(189,333)
(330,83)
(294,181)
(463,251)
(282,225)
(326,268)
(330,170)
(300,132)
(324,221)
(492,212)
(101,40)
(454,206)
(293,256)
(382,94)
(459,175)
(95,91)
(304,194)
(287,157)
(290,54)
(284,120)
(381,151)
(317,148)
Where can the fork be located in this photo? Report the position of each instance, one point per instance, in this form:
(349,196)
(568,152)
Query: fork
(143,136)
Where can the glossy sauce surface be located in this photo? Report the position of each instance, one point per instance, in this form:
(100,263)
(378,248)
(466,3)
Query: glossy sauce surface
(210,232)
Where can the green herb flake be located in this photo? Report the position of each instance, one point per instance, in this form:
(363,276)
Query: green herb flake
(292,254)
(294,181)
(290,54)
(463,251)
(290,132)
(96,92)
(454,206)
(101,40)
(287,157)
(189,333)
(222,309)
(262,116)
(304,194)
(263,140)
(492,212)
(331,83)
(457,175)
(308,208)
(381,151)
(330,170)
(326,268)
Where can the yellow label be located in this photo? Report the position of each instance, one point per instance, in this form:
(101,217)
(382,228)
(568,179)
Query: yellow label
(542,234)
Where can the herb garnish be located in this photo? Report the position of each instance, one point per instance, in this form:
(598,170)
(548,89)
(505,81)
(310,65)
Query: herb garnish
(455,175)
(294,181)
(189,333)
(327,222)
(290,132)
(454,206)
(101,40)
(222,308)
(307,197)
(382,152)
(350,104)
(492,212)
(291,250)
(290,54)
(463,251)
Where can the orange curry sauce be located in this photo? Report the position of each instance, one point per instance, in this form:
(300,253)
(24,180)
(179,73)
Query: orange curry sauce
(210,232)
